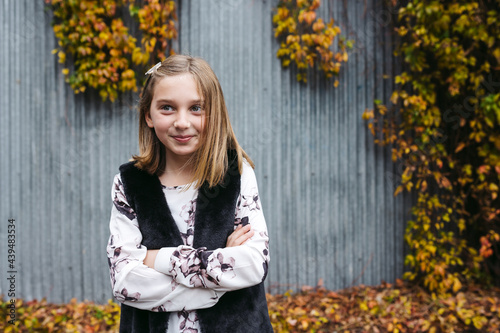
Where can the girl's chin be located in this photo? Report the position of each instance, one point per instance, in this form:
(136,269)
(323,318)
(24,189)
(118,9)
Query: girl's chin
(182,151)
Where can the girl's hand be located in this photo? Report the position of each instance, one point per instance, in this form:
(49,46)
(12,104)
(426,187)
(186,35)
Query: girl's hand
(150,258)
(240,236)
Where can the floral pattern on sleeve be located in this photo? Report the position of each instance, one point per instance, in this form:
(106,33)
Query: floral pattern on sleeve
(265,252)
(116,261)
(237,215)
(249,204)
(219,266)
(199,267)
(123,296)
(251,201)
(120,201)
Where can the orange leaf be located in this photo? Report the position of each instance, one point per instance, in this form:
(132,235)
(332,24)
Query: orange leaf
(460,146)
(423,186)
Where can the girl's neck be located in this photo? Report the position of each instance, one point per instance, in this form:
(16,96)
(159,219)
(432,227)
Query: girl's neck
(177,172)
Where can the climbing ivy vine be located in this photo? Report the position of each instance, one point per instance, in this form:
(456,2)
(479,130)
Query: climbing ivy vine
(104,53)
(444,131)
(306,40)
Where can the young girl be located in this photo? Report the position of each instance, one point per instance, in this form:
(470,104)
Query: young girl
(188,250)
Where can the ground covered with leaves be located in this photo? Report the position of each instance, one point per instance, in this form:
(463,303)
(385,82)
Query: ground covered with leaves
(384,308)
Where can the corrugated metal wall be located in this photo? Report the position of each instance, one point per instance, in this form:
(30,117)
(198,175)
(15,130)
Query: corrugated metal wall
(326,188)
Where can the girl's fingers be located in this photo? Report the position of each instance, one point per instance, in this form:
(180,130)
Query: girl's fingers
(240,235)
(247,236)
(243,238)
(240,230)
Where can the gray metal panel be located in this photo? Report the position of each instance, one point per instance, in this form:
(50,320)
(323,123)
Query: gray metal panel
(326,189)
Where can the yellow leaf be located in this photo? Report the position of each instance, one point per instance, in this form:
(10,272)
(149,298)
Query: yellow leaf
(62,57)
(398,190)
(423,186)
(394,97)
(461,225)
(479,322)
(65,71)
(457,285)
(368,114)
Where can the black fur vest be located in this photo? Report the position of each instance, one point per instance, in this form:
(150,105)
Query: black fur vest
(243,310)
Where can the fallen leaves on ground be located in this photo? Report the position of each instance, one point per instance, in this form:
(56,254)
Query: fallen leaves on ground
(41,316)
(385,308)
(388,307)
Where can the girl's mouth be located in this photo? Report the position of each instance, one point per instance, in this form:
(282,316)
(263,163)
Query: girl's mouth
(182,138)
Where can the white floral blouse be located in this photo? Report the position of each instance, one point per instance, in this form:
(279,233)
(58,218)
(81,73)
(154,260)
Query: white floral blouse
(185,278)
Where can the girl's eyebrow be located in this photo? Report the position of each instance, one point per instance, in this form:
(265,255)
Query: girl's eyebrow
(169,101)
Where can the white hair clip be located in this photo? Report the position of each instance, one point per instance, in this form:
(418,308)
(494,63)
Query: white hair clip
(153,68)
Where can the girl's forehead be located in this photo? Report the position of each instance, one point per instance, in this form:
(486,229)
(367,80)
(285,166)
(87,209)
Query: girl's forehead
(184,78)
(179,77)
(177,85)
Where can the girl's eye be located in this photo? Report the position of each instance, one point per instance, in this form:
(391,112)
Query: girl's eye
(196,108)
(166,108)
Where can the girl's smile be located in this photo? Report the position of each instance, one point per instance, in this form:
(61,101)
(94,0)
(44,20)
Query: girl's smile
(177,115)
(182,138)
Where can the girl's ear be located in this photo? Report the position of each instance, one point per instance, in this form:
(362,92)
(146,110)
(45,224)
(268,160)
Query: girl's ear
(149,121)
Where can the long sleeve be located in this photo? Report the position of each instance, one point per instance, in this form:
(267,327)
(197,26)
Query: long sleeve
(134,283)
(230,268)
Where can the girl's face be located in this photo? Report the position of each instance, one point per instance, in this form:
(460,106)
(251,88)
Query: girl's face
(177,115)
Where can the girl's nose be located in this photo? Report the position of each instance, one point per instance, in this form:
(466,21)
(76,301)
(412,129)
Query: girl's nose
(182,122)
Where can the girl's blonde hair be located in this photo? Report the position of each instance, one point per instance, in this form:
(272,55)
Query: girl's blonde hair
(211,157)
